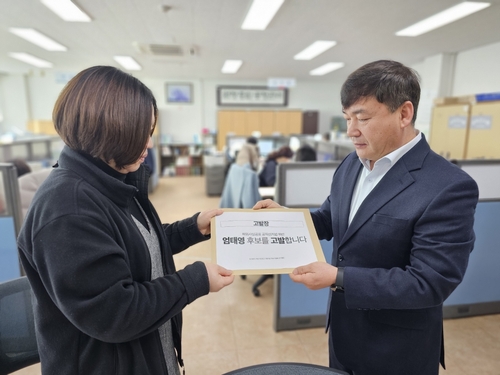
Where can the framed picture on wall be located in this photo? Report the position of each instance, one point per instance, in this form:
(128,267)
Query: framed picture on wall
(179,92)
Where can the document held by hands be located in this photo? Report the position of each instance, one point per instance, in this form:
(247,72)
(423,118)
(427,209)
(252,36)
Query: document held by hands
(268,241)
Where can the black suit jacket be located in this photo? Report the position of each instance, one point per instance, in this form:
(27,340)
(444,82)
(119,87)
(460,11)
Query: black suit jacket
(405,251)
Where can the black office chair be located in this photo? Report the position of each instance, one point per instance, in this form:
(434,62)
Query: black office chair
(259,282)
(286,368)
(18,347)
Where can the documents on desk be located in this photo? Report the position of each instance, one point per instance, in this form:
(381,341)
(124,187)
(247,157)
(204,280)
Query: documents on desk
(261,242)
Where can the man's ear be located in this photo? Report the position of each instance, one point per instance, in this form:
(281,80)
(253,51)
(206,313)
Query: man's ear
(406,113)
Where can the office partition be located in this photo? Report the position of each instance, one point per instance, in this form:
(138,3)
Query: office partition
(307,184)
(302,185)
(479,292)
(10,222)
(487,175)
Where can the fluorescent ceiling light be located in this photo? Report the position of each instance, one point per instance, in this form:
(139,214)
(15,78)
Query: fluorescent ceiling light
(35,37)
(231,66)
(443,18)
(260,14)
(30,59)
(315,49)
(327,68)
(66,10)
(127,62)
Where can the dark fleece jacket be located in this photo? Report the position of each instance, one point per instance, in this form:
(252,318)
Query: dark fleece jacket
(96,309)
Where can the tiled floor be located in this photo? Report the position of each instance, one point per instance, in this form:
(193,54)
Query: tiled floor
(231,329)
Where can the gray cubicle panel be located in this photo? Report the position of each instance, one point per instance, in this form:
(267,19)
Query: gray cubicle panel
(302,185)
(479,292)
(487,175)
(10,222)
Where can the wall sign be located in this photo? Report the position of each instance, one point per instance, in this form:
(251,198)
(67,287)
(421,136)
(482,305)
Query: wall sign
(243,96)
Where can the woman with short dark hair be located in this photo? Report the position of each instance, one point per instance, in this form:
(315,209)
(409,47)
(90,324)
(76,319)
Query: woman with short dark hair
(267,176)
(99,260)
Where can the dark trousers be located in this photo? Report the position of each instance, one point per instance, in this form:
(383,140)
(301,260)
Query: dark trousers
(334,362)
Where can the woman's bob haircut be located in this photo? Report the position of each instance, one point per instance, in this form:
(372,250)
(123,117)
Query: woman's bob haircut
(106,113)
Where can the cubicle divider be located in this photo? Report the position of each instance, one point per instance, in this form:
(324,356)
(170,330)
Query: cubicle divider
(10,222)
(302,185)
(306,185)
(479,293)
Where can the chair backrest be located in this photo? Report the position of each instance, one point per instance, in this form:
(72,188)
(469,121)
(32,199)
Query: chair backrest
(18,347)
(286,368)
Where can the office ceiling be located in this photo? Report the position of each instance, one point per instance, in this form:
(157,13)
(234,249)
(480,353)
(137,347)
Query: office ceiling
(208,32)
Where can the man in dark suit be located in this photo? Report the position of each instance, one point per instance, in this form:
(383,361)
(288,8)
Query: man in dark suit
(401,218)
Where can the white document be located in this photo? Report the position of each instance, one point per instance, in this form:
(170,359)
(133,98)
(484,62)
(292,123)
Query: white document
(265,241)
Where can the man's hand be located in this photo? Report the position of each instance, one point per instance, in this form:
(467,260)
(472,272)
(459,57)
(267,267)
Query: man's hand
(266,203)
(218,276)
(204,220)
(315,275)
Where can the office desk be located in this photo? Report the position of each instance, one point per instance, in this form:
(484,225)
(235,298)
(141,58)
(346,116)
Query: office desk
(286,368)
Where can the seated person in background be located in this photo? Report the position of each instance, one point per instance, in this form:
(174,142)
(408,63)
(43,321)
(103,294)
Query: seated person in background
(249,154)
(267,177)
(306,153)
(21,166)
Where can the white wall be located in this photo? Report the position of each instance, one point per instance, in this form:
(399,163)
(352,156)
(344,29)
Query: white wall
(182,122)
(474,71)
(14,104)
(478,71)
(43,90)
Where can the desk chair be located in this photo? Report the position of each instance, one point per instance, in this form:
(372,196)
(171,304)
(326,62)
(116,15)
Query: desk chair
(286,368)
(18,347)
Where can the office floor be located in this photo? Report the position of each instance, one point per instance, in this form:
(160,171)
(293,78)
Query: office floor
(231,329)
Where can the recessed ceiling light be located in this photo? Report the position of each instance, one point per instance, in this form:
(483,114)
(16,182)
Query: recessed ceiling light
(30,59)
(327,68)
(67,10)
(260,14)
(315,49)
(443,18)
(231,66)
(127,62)
(35,37)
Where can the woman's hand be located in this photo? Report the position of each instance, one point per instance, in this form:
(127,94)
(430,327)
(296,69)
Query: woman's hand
(266,203)
(218,276)
(204,220)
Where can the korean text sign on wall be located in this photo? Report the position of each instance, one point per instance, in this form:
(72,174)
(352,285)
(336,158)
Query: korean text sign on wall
(252,96)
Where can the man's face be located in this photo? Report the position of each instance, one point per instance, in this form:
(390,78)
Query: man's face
(373,129)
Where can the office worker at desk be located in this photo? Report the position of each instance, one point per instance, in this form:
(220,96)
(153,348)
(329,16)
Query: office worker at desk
(99,260)
(401,218)
(267,176)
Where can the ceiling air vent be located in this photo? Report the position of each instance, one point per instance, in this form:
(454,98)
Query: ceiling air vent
(160,49)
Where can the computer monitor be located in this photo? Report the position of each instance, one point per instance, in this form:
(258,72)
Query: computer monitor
(266,146)
(234,145)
